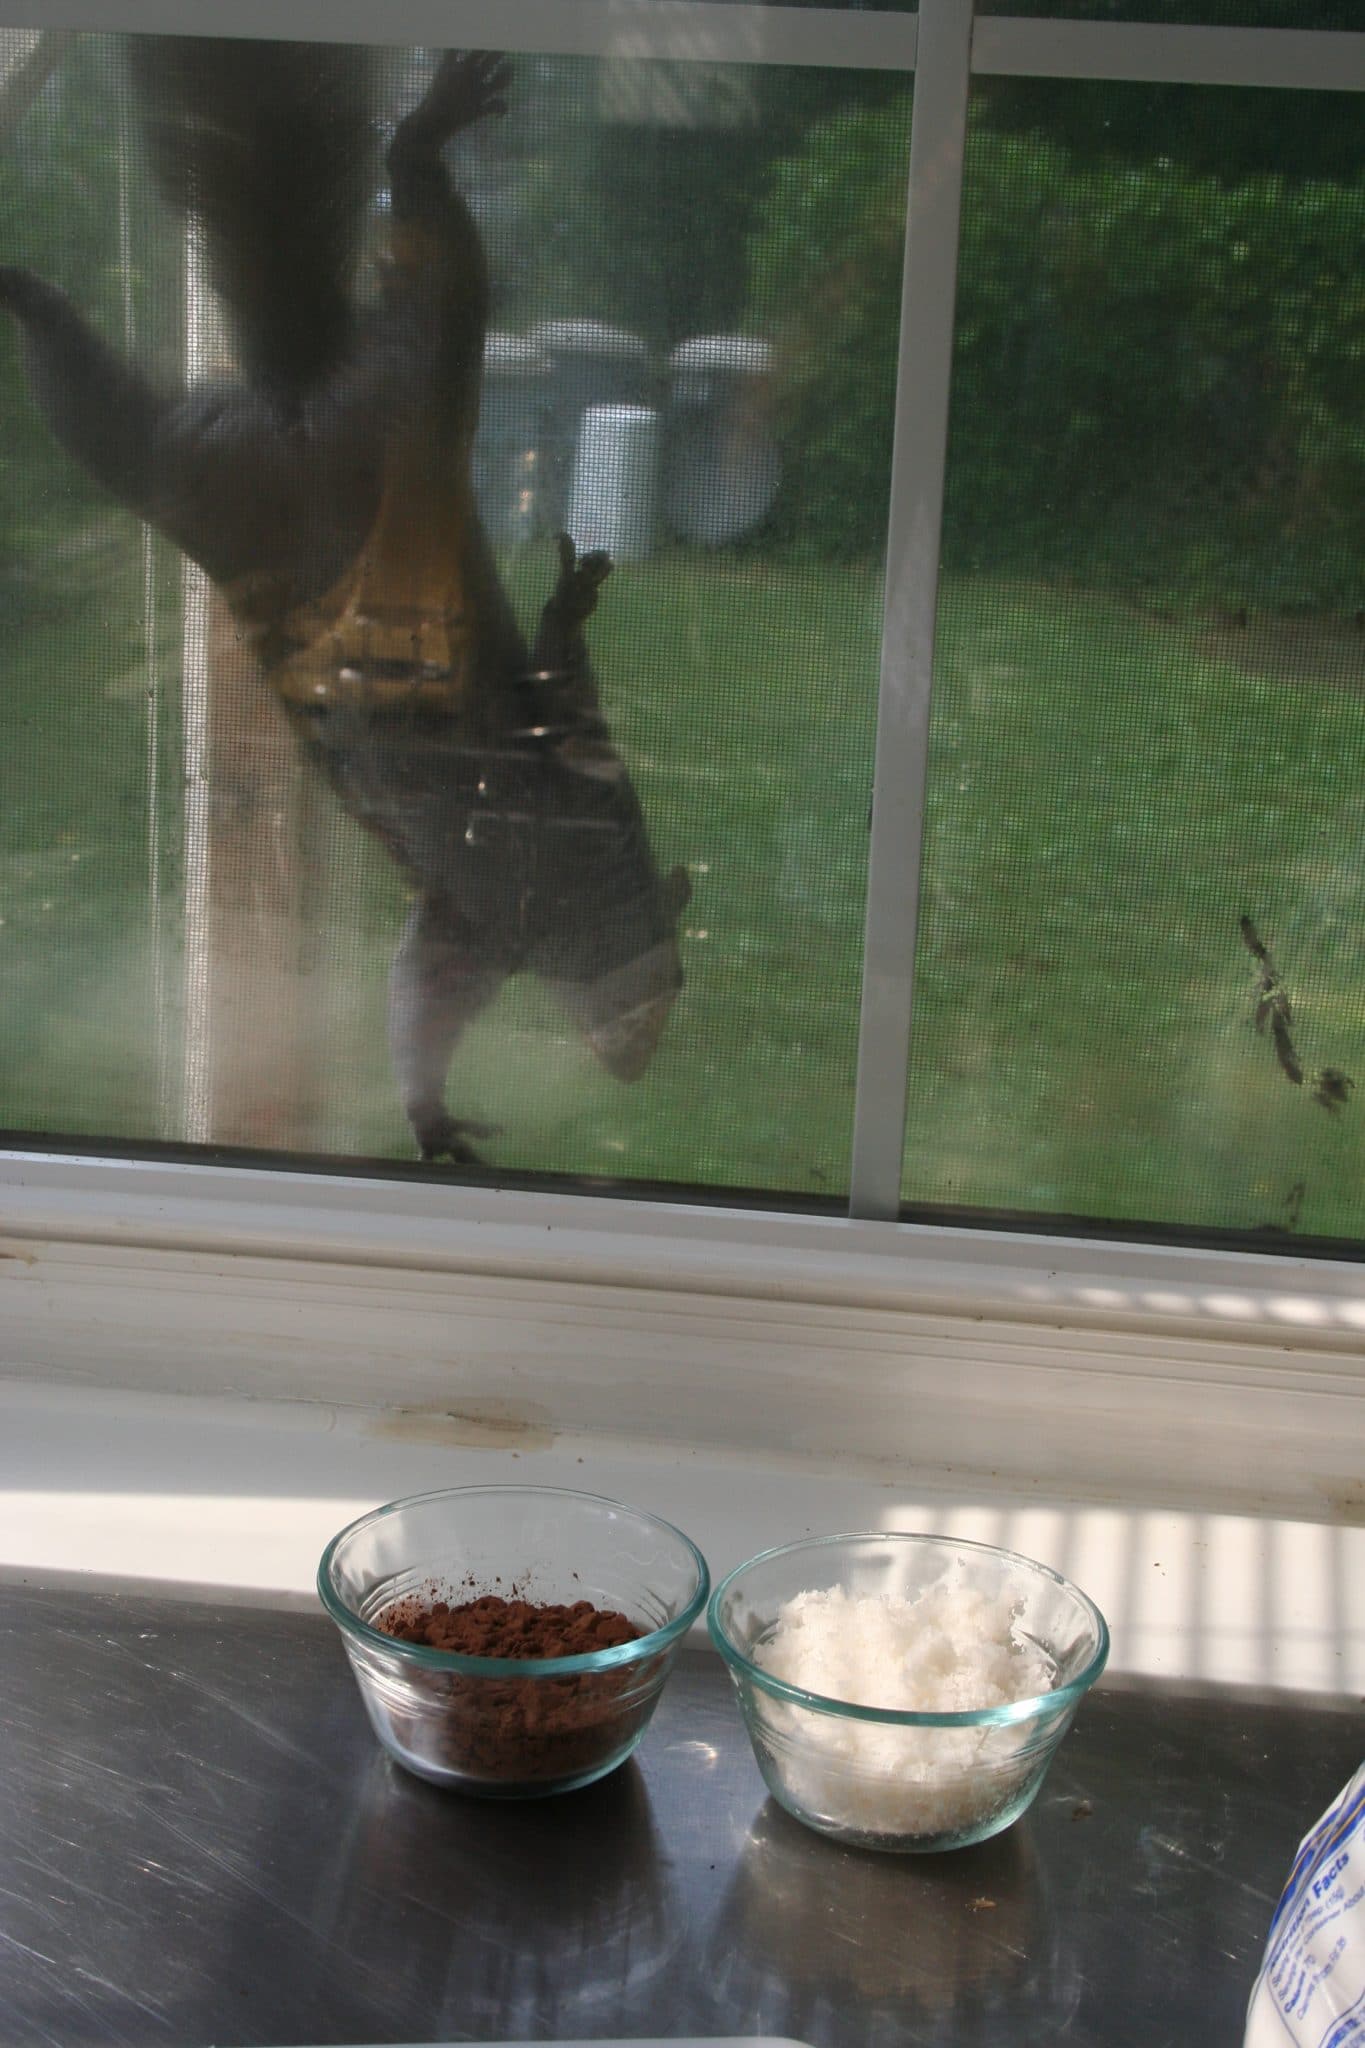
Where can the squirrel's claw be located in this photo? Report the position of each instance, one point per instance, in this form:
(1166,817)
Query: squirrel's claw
(445,1137)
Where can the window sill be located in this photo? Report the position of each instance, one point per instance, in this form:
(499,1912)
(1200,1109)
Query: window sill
(1119,1375)
(237,1499)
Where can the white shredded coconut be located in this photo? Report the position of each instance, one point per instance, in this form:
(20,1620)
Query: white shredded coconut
(950,1649)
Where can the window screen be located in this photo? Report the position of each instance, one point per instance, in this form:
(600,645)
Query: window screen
(443,675)
(282,683)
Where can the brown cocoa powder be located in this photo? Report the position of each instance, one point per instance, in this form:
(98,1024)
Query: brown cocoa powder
(522,1731)
(493,1627)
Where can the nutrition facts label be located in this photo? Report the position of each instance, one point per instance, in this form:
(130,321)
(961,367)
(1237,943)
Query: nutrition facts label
(1311,1991)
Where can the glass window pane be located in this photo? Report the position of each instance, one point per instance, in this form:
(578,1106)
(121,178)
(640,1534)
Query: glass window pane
(89,622)
(1139,989)
(206,879)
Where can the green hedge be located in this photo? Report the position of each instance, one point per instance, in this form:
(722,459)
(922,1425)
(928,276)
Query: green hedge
(1159,377)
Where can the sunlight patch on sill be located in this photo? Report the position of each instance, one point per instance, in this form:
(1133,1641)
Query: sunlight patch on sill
(243,1497)
(1216,1598)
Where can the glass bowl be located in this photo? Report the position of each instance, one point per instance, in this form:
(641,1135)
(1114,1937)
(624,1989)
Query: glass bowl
(507,1727)
(885,1778)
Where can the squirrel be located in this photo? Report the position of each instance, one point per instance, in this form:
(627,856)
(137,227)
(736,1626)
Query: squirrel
(327,492)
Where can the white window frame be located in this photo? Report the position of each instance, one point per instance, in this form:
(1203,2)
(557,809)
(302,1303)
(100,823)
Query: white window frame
(1036,1357)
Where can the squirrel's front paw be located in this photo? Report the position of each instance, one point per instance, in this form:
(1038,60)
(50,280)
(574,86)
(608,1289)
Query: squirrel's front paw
(468,85)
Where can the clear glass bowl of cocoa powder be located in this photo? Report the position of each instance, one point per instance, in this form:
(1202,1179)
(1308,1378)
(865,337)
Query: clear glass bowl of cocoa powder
(511,1641)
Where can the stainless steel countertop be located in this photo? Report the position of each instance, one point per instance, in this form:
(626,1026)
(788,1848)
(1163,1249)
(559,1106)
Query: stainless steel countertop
(200,1842)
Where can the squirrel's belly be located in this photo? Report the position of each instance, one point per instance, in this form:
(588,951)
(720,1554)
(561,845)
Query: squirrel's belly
(470,820)
(393,632)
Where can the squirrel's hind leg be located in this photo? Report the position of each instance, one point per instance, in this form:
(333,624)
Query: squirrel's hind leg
(561,668)
(437,986)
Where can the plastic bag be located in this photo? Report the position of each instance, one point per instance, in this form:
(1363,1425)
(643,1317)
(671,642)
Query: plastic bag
(1311,1990)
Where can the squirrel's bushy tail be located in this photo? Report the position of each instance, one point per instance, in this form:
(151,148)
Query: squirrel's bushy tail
(268,148)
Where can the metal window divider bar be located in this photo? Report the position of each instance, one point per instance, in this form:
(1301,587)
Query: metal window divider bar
(938,131)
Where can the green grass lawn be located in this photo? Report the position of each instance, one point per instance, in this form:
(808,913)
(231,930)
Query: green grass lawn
(84,1044)
(1109,793)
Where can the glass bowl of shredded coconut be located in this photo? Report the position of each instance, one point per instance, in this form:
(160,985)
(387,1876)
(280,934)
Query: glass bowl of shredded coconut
(905,1692)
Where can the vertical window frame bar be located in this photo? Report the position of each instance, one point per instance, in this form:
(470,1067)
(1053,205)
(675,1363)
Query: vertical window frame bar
(938,133)
(203,352)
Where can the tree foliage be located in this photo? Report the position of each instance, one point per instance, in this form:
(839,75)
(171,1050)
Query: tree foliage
(60,198)
(1157,373)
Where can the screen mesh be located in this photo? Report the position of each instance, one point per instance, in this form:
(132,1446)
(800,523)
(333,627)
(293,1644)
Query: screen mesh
(280,676)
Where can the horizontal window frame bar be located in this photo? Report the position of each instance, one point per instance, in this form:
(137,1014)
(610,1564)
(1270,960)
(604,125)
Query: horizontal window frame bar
(1144,53)
(679,31)
(698,31)
(135,1206)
